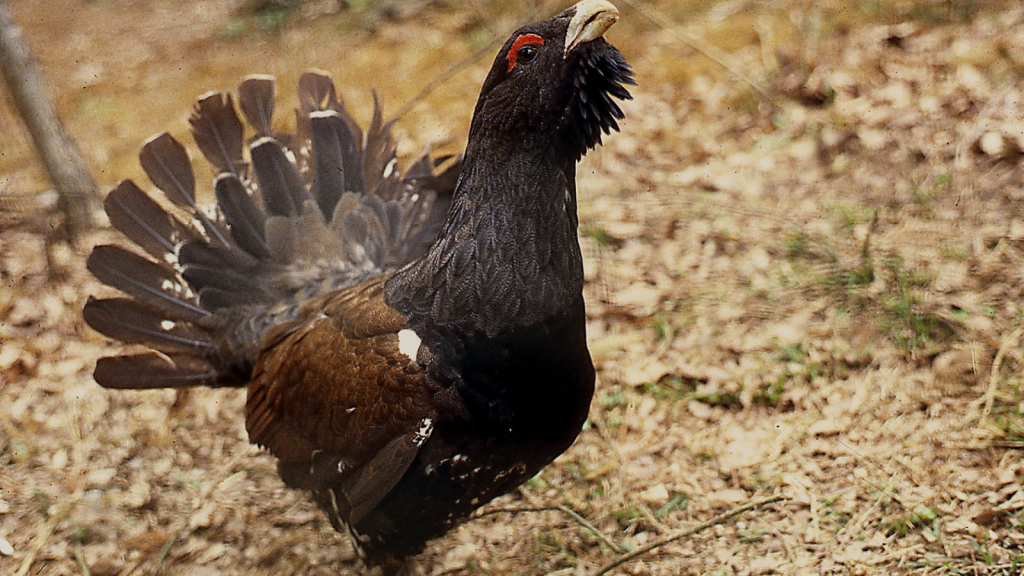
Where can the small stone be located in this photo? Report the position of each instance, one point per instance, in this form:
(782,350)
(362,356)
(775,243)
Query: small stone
(655,495)
(994,144)
(100,477)
(137,496)
(59,460)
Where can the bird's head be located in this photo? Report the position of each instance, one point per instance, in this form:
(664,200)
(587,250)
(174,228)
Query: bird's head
(556,79)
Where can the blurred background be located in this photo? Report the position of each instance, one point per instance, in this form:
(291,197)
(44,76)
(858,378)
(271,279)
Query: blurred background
(804,255)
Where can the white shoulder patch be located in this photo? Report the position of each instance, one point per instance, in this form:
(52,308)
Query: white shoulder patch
(423,432)
(408,343)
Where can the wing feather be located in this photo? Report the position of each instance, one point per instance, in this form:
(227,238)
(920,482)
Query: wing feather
(368,424)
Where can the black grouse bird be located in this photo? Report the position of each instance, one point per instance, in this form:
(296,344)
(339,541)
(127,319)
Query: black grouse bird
(413,343)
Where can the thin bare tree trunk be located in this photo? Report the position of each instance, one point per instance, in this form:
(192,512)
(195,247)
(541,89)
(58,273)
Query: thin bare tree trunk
(64,162)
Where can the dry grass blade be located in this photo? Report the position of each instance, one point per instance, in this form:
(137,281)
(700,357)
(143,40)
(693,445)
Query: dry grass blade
(45,532)
(684,533)
(1008,444)
(80,561)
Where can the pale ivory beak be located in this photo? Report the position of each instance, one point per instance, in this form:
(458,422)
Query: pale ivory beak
(592,19)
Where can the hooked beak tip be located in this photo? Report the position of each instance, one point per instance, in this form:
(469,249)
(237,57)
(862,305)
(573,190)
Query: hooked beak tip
(591,20)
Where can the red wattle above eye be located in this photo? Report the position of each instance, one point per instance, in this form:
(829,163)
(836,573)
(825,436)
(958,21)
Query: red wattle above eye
(523,40)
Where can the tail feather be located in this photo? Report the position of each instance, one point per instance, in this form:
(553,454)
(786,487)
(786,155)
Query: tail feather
(317,93)
(143,221)
(444,181)
(129,321)
(379,173)
(205,267)
(155,370)
(435,180)
(297,215)
(244,217)
(256,99)
(392,217)
(336,158)
(146,281)
(218,132)
(218,299)
(215,256)
(203,277)
(167,164)
(421,168)
(280,182)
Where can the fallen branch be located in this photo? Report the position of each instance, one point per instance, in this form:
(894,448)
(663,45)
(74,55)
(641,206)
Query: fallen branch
(64,162)
(672,537)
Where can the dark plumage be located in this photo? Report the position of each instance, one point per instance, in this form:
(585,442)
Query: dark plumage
(413,343)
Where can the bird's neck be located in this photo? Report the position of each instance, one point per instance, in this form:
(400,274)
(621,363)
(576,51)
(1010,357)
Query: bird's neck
(498,298)
(508,255)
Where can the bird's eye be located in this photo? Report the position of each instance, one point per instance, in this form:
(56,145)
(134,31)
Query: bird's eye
(523,49)
(526,53)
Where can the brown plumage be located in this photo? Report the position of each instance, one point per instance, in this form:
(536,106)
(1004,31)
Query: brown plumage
(413,343)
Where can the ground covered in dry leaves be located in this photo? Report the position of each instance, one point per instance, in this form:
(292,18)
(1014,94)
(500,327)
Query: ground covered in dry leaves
(804,281)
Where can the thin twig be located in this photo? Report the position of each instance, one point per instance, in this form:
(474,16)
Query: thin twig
(513,510)
(649,515)
(852,528)
(993,377)
(593,529)
(563,509)
(717,56)
(889,555)
(684,533)
(166,548)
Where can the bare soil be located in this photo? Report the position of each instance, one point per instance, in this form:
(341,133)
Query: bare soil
(804,256)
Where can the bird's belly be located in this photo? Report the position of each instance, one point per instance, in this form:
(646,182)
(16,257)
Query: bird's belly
(448,481)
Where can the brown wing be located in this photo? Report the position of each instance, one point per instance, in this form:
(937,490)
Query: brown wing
(337,402)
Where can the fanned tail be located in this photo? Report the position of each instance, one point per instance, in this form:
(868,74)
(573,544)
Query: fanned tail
(297,215)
